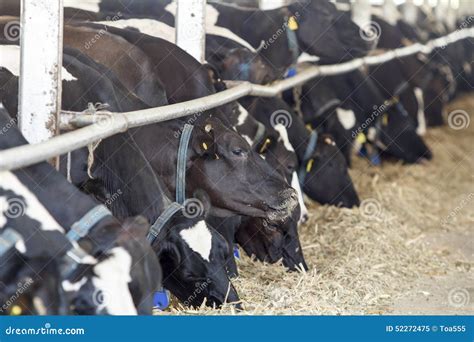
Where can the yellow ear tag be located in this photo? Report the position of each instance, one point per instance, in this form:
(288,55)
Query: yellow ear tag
(361,138)
(265,145)
(385,119)
(309,127)
(292,23)
(16,311)
(309,166)
(204,146)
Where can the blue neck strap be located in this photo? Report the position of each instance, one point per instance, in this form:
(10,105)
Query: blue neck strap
(8,239)
(292,43)
(181,163)
(160,222)
(310,148)
(82,227)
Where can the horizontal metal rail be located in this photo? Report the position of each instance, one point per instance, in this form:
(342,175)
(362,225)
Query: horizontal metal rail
(103,124)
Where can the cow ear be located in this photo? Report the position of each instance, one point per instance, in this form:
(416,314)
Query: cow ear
(169,253)
(203,144)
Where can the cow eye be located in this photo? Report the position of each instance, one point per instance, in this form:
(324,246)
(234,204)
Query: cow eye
(238,152)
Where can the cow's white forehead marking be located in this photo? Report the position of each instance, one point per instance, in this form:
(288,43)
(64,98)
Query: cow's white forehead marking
(10,59)
(199,239)
(27,202)
(346,117)
(284,137)
(86,5)
(113,276)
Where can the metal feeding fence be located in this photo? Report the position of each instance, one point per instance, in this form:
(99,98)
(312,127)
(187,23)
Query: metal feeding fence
(97,125)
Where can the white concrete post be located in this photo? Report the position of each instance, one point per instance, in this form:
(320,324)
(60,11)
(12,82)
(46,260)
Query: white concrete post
(40,68)
(361,12)
(191,27)
(271,4)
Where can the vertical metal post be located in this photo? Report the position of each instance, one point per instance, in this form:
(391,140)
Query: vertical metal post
(271,4)
(40,68)
(361,12)
(191,27)
(410,12)
(390,11)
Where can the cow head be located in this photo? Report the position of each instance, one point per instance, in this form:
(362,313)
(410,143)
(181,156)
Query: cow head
(101,287)
(237,179)
(327,178)
(325,32)
(242,64)
(193,256)
(398,138)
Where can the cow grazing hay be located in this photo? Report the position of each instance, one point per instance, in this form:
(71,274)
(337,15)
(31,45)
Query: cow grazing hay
(366,260)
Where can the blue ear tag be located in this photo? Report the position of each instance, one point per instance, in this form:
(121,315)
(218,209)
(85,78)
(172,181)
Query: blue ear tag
(290,73)
(363,151)
(375,159)
(161,299)
(236,252)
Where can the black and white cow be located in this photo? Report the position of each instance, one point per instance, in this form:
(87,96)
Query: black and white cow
(119,261)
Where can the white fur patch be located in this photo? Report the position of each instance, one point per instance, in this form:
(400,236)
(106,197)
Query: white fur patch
(295,184)
(29,204)
(421,129)
(247,138)
(3,210)
(113,276)
(199,239)
(73,287)
(284,137)
(10,59)
(346,118)
(150,27)
(306,57)
(243,116)
(86,5)
(211,19)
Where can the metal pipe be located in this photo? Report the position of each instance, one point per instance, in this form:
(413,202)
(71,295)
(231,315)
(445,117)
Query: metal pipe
(104,124)
(40,69)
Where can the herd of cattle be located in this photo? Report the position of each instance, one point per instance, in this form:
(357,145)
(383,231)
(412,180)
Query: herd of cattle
(166,206)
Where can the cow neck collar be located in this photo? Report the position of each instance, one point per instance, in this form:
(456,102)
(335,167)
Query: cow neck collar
(181,163)
(83,226)
(80,229)
(176,206)
(291,26)
(8,239)
(328,105)
(307,162)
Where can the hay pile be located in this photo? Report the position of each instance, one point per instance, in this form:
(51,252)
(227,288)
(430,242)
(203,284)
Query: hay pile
(362,260)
